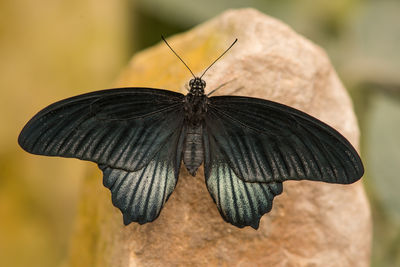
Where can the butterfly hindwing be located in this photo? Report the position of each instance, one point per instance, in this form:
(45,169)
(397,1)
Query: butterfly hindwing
(265,142)
(239,203)
(121,128)
(140,195)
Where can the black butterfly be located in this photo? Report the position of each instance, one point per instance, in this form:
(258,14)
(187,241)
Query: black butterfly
(139,136)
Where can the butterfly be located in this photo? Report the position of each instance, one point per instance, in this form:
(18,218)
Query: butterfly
(139,137)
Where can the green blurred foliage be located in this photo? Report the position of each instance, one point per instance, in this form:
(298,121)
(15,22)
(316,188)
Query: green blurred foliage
(50,50)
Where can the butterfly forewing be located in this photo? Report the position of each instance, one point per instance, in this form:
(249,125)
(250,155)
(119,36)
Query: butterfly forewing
(264,141)
(121,128)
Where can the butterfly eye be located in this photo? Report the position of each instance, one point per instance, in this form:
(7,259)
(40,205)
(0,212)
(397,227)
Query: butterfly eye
(191,82)
(203,83)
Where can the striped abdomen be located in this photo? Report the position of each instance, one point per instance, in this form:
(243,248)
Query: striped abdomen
(193,151)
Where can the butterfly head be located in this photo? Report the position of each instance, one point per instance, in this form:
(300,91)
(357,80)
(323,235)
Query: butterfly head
(197,86)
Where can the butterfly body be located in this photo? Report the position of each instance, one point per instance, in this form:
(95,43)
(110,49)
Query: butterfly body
(195,106)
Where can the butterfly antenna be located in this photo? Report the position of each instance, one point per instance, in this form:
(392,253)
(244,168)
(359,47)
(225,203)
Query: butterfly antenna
(162,37)
(219,58)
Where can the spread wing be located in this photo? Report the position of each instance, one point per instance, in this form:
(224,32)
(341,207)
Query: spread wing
(264,141)
(253,145)
(122,128)
(134,134)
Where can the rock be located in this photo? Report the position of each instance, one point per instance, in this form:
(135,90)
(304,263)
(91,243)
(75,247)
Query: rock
(311,223)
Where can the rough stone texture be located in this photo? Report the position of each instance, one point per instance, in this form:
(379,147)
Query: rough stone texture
(311,223)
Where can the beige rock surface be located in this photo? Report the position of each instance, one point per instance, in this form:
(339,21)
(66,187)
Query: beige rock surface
(311,223)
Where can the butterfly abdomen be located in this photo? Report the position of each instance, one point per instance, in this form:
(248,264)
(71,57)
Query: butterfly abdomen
(193,151)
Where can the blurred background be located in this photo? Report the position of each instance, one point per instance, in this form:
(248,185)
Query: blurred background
(51,50)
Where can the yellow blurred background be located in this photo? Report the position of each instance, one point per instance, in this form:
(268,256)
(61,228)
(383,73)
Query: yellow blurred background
(50,50)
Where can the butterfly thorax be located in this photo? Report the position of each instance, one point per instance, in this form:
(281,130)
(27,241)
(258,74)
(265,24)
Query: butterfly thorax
(195,109)
(196,103)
